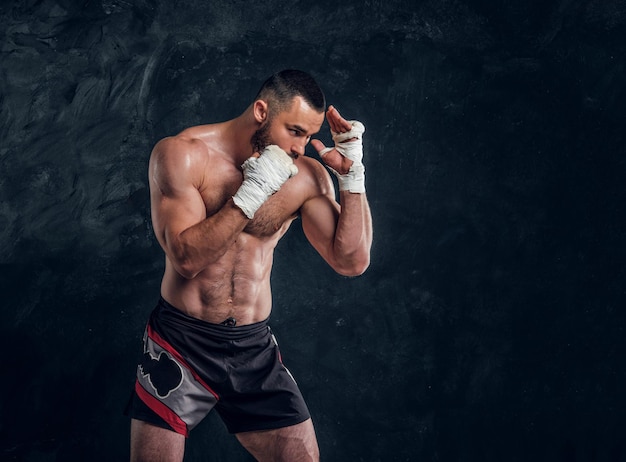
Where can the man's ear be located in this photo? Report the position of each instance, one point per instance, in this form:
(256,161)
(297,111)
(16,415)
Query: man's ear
(260,110)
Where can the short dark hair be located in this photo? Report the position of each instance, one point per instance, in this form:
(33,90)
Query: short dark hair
(281,88)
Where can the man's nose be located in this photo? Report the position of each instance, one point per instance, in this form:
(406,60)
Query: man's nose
(298,149)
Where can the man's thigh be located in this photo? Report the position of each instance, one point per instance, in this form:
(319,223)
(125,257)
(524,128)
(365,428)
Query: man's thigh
(288,444)
(149,443)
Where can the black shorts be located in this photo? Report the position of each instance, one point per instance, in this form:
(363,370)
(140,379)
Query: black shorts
(190,366)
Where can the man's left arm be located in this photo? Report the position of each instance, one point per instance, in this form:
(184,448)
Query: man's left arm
(341,233)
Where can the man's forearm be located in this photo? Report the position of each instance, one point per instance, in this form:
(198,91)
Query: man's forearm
(353,238)
(206,242)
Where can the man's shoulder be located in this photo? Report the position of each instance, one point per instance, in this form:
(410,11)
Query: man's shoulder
(182,144)
(312,165)
(179,158)
(199,141)
(313,174)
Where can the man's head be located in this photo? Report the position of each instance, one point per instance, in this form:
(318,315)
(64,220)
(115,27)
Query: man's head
(281,88)
(295,101)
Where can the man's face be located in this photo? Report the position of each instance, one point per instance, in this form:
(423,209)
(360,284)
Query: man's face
(290,129)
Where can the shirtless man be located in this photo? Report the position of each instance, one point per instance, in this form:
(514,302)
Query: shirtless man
(222,196)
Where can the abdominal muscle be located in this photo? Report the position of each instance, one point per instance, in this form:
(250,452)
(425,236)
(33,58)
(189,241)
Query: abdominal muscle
(237,286)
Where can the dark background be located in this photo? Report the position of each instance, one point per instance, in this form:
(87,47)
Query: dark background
(490,325)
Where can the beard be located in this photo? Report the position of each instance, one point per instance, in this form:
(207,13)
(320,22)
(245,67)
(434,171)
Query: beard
(261,138)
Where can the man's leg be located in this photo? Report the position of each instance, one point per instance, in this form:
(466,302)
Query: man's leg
(149,443)
(296,443)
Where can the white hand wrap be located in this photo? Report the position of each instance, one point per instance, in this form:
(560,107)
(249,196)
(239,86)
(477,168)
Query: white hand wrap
(354,180)
(262,177)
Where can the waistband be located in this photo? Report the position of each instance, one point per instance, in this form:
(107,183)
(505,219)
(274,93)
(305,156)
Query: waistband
(168,313)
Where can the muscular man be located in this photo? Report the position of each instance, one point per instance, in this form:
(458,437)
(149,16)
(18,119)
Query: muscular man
(222,196)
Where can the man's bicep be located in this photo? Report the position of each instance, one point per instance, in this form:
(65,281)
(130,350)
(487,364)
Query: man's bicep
(176,203)
(174,213)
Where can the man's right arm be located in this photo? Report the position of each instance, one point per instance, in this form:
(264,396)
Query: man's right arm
(191,240)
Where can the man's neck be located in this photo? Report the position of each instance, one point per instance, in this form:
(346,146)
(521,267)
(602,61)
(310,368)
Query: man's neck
(238,133)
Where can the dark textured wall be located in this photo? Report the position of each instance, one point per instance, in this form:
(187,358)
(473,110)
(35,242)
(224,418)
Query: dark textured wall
(490,325)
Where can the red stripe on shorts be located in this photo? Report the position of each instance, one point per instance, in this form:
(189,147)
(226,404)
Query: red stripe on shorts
(171,350)
(162,410)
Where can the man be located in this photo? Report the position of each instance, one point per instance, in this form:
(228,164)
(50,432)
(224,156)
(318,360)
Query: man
(222,196)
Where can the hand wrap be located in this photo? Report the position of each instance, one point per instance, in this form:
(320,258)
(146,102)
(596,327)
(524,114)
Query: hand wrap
(262,177)
(354,180)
